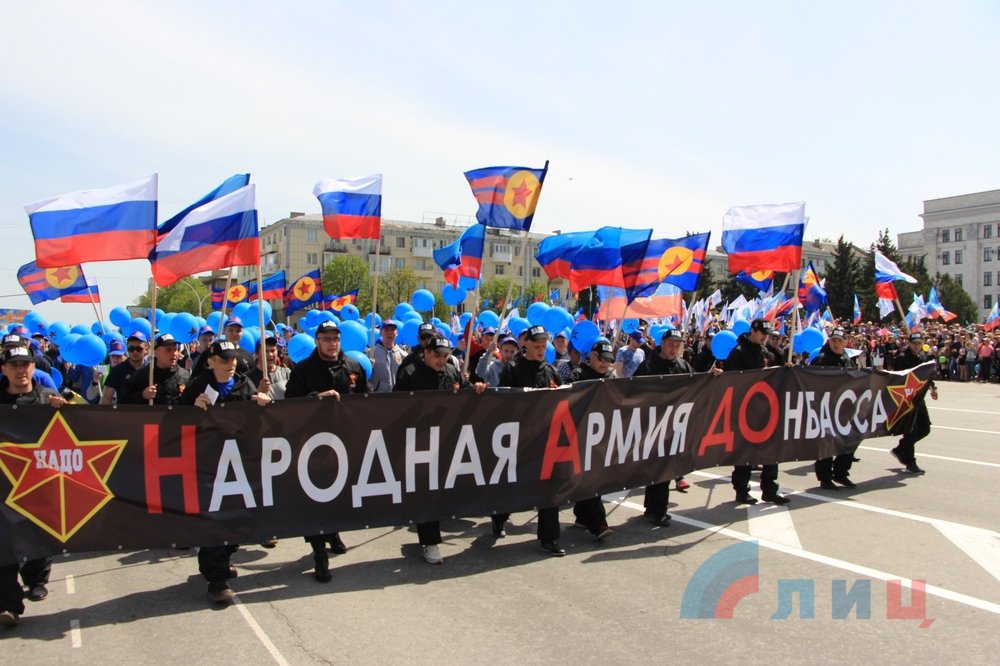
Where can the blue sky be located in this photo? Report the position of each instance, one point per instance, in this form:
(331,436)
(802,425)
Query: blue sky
(653,114)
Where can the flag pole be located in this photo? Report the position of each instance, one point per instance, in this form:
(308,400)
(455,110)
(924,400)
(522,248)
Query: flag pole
(899,306)
(795,314)
(225,298)
(470,327)
(378,247)
(262,360)
(93,304)
(152,343)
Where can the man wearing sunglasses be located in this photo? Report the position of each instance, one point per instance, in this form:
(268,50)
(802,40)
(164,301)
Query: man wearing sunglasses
(169,379)
(136,347)
(425,336)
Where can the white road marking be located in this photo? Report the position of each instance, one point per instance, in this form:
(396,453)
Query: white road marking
(985,432)
(984,549)
(967,411)
(861,570)
(851,504)
(774,523)
(70,584)
(259,632)
(75,638)
(931,455)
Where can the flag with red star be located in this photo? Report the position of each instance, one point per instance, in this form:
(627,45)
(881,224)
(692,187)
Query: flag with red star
(48,284)
(507,195)
(336,302)
(305,291)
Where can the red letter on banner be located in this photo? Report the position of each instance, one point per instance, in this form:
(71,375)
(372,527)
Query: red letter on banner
(156,467)
(764,434)
(562,420)
(724,414)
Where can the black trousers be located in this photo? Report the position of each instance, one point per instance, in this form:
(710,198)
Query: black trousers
(213,562)
(548,523)
(828,469)
(768,479)
(591,512)
(33,572)
(657,497)
(921,428)
(429,534)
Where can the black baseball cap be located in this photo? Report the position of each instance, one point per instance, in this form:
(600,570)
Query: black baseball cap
(916,336)
(537,333)
(14,340)
(223,349)
(165,339)
(327,327)
(425,330)
(761,325)
(604,350)
(441,344)
(837,333)
(672,334)
(17,353)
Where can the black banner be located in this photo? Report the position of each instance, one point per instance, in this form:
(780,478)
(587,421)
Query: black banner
(85,478)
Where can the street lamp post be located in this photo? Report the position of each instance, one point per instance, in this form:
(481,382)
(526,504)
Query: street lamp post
(201,300)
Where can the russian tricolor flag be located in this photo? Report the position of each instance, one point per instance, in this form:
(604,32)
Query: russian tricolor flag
(352,207)
(95,225)
(764,237)
(218,234)
(464,257)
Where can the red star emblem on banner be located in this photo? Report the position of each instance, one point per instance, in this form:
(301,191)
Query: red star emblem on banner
(904,395)
(59,482)
(237,293)
(305,288)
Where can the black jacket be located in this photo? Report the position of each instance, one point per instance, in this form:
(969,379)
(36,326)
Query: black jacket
(584,372)
(243,389)
(657,365)
(746,355)
(826,357)
(169,382)
(314,376)
(38,395)
(522,373)
(418,376)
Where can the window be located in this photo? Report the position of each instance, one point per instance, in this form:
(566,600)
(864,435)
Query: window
(400,263)
(520,271)
(987,231)
(945,235)
(517,250)
(987,279)
(987,253)
(958,256)
(958,235)
(536,272)
(945,258)
(312,235)
(312,258)
(988,302)
(383,263)
(498,269)
(501,248)
(958,279)
(420,264)
(400,241)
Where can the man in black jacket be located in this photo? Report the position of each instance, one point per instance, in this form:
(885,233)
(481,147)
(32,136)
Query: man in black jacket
(431,370)
(837,469)
(169,379)
(749,354)
(220,382)
(326,373)
(529,369)
(17,387)
(590,513)
(911,357)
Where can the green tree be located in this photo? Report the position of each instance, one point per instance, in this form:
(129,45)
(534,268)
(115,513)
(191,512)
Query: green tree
(347,273)
(955,299)
(185,295)
(536,290)
(395,287)
(493,291)
(707,282)
(842,280)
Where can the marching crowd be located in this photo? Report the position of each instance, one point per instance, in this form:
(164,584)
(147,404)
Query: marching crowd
(216,368)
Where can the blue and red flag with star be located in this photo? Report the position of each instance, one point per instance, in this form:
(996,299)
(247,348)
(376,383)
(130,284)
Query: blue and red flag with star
(305,291)
(507,195)
(676,261)
(48,284)
(464,257)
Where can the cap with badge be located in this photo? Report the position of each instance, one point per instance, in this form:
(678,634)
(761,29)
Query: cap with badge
(916,336)
(440,344)
(17,354)
(165,339)
(224,349)
(672,334)
(327,327)
(604,350)
(14,340)
(426,330)
(536,333)
(138,336)
(760,325)
(837,334)
(116,348)
(233,321)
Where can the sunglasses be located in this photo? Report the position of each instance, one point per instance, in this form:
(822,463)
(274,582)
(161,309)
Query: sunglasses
(135,349)
(426,336)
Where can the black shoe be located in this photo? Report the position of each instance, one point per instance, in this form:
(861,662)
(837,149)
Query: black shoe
(661,519)
(498,531)
(38,592)
(219,592)
(745,498)
(322,571)
(600,532)
(913,469)
(233,573)
(895,454)
(844,481)
(337,546)
(775,499)
(551,547)
(828,485)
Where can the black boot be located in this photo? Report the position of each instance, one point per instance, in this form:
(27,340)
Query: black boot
(322,560)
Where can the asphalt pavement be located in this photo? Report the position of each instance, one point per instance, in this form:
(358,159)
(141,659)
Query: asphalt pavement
(901,569)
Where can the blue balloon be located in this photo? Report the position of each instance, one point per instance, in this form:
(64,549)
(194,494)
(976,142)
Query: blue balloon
(111,337)
(139,324)
(807,340)
(583,336)
(214,322)
(100,327)
(243,310)
(452,295)
(516,325)
(556,319)
(36,323)
(814,353)
(536,312)
(164,323)
(120,316)
(362,360)
(159,313)
(401,310)
(436,321)
(57,377)
(353,336)
(300,347)
(247,343)
(550,352)
(57,330)
(422,300)
(630,325)
(312,318)
(467,283)
(443,331)
(80,329)
(723,344)
(350,313)
(464,319)
(368,320)
(412,315)
(488,319)
(408,333)
(740,327)
(87,350)
(184,327)
(656,333)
